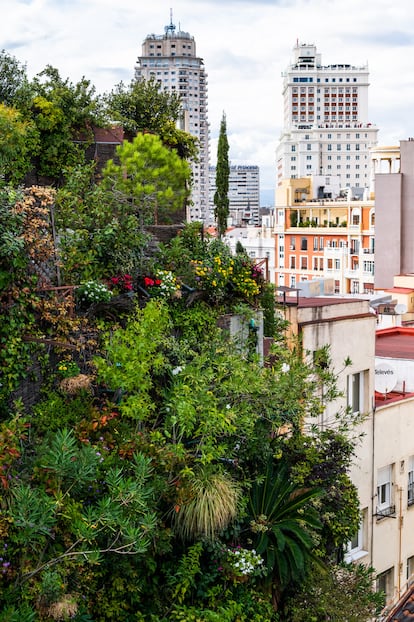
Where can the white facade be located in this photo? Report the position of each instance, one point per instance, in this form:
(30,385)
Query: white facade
(172,60)
(326,130)
(244,194)
(383,466)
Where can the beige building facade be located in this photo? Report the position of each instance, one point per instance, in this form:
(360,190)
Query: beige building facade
(378,383)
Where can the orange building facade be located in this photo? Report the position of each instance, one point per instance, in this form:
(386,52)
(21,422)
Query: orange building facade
(324,238)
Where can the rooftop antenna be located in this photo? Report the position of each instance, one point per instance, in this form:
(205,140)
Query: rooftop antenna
(171,27)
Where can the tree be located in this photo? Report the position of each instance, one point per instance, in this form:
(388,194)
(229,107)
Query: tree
(14,85)
(64,114)
(283,526)
(343,593)
(19,143)
(153,179)
(143,106)
(221,195)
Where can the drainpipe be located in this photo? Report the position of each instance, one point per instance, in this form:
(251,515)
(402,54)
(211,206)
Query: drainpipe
(373,495)
(400,526)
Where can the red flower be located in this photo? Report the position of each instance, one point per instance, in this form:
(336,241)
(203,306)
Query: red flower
(128,286)
(115,280)
(127,277)
(157,282)
(148,282)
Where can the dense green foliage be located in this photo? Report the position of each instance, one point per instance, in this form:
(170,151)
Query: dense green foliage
(144,107)
(152,466)
(153,179)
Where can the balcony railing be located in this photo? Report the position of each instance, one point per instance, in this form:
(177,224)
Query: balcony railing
(385,512)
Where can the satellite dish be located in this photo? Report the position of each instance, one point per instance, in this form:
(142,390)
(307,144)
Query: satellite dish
(385,378)
(400,309)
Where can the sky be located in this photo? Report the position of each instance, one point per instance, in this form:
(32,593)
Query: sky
(245,45)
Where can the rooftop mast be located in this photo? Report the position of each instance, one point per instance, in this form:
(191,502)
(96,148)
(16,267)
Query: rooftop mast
(170,29)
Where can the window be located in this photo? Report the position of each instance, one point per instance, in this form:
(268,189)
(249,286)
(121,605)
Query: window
(385,583)
(292,262)
(292,243)
(315,244)
(384,492)
(356,547)
(410,570)
(303,263)
(304,244)
(410,484)
(356,392)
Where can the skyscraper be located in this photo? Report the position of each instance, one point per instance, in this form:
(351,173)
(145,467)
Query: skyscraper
(326,128)
(172,60)
(244,194)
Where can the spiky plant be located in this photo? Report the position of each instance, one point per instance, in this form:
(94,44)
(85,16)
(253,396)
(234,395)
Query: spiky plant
(283,525)
(207,504)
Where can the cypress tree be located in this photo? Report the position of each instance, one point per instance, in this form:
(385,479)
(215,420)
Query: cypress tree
(221,195)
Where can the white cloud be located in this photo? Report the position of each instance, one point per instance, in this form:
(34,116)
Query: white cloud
(246,45)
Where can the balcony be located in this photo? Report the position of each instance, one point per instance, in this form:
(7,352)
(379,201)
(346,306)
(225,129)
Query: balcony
(385,512)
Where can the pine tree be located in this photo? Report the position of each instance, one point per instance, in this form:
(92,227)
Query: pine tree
(221,196)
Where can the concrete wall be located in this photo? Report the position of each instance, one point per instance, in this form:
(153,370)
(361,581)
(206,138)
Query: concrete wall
(388,196)
(348,328)
(407,217)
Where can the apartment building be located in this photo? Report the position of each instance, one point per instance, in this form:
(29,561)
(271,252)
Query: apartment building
(172,60)
(322,231)
(378,383)
(244,195)
(326,125)
(384,469)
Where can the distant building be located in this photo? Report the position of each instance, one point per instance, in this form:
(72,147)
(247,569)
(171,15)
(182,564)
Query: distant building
(326,127)
(244,195)
(394,201)
(172,60)
(324,232)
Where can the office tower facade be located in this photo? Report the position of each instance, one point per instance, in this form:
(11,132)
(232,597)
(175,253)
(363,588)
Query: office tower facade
(244,195)
(326,127)
(172,60)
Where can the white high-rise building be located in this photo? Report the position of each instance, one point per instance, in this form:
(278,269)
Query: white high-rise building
(244,195)
(326,128)
(172,60)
